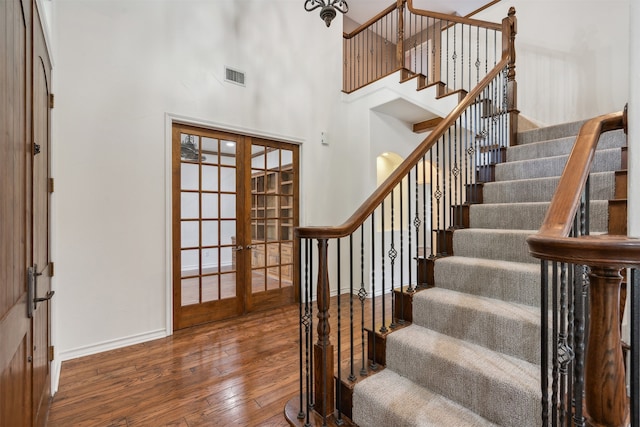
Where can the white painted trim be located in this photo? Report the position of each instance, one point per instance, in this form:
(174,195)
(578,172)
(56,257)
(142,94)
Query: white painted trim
(170,119)
(45,30)
(112,344)
(225,127)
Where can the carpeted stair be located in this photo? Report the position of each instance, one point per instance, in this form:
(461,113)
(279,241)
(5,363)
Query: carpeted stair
(471,356)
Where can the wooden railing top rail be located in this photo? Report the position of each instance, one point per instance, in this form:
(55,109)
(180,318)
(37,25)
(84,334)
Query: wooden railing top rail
(436,15)
(364,26)
(552,241)
(369,205)
(453,18)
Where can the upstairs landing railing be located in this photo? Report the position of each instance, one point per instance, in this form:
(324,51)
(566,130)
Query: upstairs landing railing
(383,252)
(445,50)
(583,370)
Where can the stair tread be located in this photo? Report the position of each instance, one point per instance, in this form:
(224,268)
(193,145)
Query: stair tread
(511,381)
(482,320)
(506,280)
(422,406)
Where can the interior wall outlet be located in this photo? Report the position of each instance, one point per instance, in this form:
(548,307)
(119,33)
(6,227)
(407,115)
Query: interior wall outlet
(324,138)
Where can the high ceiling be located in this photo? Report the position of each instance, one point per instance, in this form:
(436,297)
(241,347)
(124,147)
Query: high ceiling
(362,10)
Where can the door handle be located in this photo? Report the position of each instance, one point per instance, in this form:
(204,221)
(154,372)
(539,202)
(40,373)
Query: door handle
(32,290)
(237,248)
(249,247)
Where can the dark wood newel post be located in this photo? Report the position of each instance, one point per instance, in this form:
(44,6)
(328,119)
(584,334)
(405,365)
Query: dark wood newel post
(509,31)
(605,391)
(323,349)
(400,45)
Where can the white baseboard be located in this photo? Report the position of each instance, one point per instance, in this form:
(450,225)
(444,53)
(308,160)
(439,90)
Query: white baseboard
(113,344)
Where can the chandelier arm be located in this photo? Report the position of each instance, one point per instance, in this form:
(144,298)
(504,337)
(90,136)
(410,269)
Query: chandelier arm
(310,5)
(340,5)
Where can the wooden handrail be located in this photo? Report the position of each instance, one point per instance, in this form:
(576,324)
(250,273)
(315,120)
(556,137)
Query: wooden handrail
(364,26)
(453,18)
(551,241)
(436,15)
(369,205)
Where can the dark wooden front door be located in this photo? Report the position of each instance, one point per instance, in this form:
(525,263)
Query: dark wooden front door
(234,209)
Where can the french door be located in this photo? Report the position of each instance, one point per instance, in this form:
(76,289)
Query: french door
(234,209)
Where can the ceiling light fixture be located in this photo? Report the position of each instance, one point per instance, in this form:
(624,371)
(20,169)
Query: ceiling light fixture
(329,7)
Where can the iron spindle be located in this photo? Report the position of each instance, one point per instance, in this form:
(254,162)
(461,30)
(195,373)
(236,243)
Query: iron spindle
(409,218)
(310,249)
(424,217)
(401,231)
(635,348)
(308,339)
(352,375)
(383,328)
(417,223)
(339,310)
(432,240)
(454,57)
(565,351)
(392,257)
(300,337)
(374,365)
(579,346)
(362,293)
(446,81)
(554,349)
(462,57)
(446,189)
(544,340)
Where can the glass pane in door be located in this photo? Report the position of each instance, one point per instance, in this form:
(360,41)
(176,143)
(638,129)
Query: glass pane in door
(271,217)
(208,223)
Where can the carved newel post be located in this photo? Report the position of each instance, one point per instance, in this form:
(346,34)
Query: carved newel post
(323,349)
(400,44)
(509,31)
(605,391)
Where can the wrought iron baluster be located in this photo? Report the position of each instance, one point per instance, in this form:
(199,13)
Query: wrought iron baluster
(409,220)
(635,347)
(304,325)
(424,217)
(565,353)
(455,172)
(454,57)
(362,294)
(556,343)
(401,231)
(352,375)
(579,320)
(374,365)
(416,223)
(544,340)
(339,420)
(392,257)
(383,328)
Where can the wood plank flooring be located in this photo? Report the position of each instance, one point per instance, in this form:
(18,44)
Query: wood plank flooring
(238,372)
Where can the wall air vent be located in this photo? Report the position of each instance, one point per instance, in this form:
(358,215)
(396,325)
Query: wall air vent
(234,76)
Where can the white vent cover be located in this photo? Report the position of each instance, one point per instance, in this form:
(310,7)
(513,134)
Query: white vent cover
(234,76)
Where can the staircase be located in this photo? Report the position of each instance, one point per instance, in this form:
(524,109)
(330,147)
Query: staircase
(471,355)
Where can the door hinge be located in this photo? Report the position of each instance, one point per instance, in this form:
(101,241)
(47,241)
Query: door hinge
(36,148)
(51,100)
(51,264)
(51,353)
(50,185)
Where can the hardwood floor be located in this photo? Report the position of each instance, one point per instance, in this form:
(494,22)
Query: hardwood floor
(232,373)
(238,372)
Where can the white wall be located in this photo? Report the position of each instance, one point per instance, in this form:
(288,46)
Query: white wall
(572,57)
(121,66)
